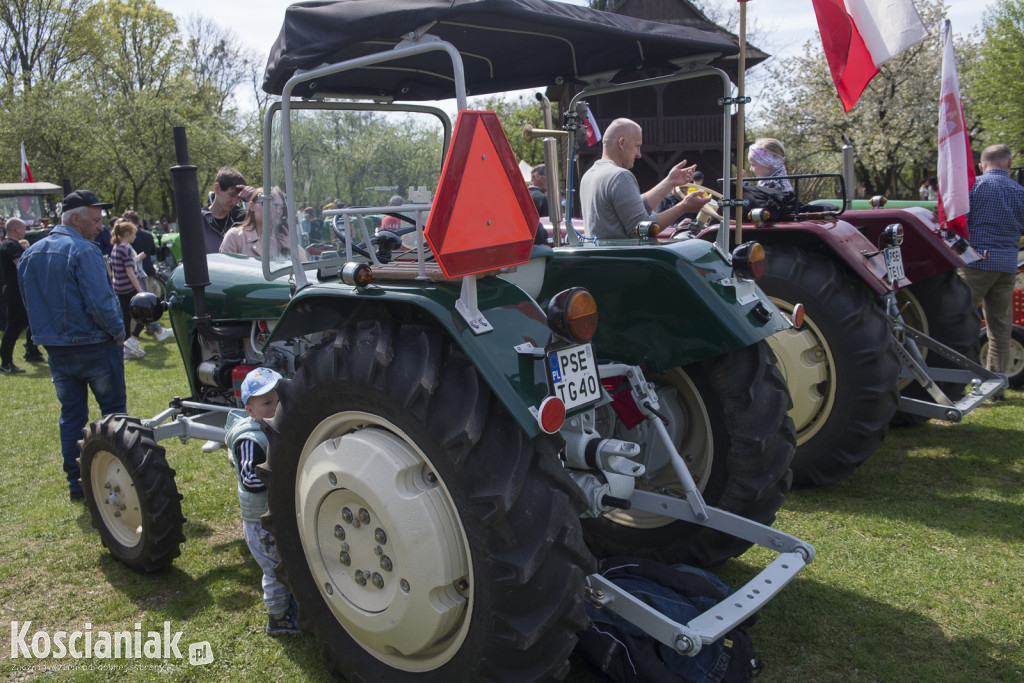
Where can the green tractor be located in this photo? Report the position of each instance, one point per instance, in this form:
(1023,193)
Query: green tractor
(462,431)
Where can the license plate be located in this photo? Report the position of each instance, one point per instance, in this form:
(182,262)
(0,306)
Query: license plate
(574,379)
(894,262)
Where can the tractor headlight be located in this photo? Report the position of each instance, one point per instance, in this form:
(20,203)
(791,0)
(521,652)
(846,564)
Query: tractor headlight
(892,236)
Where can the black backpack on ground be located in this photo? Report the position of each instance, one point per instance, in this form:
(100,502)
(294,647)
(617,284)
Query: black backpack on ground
(625,654)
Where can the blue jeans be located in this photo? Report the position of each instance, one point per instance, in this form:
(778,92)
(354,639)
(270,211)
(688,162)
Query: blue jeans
(276,595)
(74,370)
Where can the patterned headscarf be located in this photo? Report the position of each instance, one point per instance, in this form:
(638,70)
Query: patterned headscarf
(765,158)
(761,156)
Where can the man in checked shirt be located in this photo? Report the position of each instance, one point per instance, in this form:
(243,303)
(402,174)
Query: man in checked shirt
(996,222)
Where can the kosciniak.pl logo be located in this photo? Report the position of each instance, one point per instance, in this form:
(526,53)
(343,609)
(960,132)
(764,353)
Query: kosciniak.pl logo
(99,644)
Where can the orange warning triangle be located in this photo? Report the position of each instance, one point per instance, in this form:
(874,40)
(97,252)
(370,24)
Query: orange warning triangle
(483,217)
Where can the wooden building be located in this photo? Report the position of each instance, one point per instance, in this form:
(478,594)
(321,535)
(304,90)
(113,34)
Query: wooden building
(680,120)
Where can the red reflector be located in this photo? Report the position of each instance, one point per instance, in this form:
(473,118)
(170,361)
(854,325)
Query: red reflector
(798,316)
(551,415)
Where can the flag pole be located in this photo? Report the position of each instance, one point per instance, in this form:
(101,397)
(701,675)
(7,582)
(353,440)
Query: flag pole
(741,72)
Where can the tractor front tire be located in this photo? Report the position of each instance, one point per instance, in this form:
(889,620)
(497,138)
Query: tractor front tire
(422,533)
(130,492)
(1015,372)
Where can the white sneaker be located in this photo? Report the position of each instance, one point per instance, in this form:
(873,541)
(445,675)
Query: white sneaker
(131,354)
(211,446)
(163,334)
(133,344)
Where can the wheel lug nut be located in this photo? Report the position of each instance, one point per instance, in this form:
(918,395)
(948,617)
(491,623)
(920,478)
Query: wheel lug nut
(345,559)
(339,532)
(378,550)
(404,585)
(380,536)
(364,516)
(344,545)
(431,477)
(378,580)
(385,563)
(360,577)
(107,485)
(117,513)
(346,515)
(332,479)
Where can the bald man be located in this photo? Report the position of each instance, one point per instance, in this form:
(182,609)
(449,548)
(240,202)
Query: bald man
(11,249)
(610,195)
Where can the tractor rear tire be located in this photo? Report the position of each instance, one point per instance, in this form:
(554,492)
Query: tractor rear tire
(942,307)
(421,532)
(840,366)
(728,420)
(130,492)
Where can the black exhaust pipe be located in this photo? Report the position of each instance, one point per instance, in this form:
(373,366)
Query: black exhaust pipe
(193,245)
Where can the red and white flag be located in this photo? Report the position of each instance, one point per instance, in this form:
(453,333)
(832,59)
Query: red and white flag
(956,160)
(859,36)
(26,172)
(593,132)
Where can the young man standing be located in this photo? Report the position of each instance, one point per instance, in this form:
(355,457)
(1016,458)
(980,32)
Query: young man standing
(224,211)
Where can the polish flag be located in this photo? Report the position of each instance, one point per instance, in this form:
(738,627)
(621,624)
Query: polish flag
(956,161)
(859,36)
(26,172)
(593,132)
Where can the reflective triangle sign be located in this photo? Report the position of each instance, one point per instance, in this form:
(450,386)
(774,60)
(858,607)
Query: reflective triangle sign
(483,217)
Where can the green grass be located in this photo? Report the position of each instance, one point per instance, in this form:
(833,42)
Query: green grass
(918,574)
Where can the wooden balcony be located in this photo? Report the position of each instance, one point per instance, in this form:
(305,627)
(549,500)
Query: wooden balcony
(678,132)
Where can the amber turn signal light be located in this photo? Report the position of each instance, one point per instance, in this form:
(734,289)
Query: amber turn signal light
(572,314)
(748,260)
(356,274)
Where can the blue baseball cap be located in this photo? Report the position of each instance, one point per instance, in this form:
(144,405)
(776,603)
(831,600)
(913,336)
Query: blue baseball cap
(259,382)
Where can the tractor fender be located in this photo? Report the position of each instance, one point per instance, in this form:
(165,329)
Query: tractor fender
(836,237)
(663,304)
(925,252)
(501,356)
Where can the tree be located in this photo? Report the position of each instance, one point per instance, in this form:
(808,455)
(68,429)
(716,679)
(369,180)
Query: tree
(893,125)
(514,114)
(997,81)
(39,41)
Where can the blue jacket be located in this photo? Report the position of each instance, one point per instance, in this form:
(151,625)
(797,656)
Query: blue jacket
(66,290)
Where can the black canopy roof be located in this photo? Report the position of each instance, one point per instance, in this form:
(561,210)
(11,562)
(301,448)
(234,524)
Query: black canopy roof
(505,45)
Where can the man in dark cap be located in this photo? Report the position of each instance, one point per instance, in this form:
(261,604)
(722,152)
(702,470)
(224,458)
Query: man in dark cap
(74,314)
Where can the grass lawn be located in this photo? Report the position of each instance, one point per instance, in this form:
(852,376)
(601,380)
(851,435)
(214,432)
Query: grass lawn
(918,574)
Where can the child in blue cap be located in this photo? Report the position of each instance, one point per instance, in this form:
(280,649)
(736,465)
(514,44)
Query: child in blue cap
(248,447)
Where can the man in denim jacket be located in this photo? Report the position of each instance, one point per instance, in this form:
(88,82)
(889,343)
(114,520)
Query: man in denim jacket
(74,314)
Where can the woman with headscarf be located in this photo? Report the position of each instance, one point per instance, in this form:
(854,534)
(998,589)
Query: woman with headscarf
(767,159)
